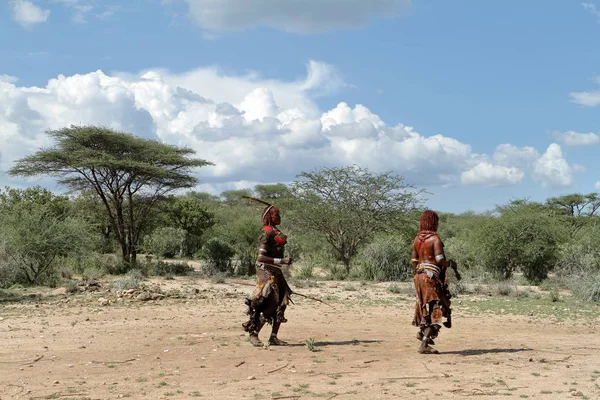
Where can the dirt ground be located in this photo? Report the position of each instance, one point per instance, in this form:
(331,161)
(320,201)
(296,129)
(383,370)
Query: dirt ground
(182,338)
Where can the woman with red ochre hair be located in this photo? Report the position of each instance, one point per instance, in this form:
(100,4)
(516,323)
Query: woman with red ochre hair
(268,301)
(429,267)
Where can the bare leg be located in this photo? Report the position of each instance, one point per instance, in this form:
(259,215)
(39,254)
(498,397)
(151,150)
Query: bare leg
(273,340)
(420,335)
(425,348)
(253,337)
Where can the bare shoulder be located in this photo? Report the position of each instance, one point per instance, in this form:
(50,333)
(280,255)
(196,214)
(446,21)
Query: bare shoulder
(437,241)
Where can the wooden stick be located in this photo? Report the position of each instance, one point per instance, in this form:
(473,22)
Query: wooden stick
(277,369)
(114,362)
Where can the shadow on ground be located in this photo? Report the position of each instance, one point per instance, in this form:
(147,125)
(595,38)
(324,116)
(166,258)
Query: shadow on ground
(338,343)
(478,352)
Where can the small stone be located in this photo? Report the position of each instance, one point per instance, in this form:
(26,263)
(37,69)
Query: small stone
(56,382)
(251,378)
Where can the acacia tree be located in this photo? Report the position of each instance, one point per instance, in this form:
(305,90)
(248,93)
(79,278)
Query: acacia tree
(576,204)
(348,205)
(190,215)
(275,191)
(128,173)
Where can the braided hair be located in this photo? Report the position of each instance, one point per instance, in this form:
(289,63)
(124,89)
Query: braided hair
(429,221)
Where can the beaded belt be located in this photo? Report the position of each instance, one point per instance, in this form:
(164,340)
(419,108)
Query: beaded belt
(431,268)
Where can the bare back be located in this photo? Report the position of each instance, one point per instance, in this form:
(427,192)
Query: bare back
(426,248)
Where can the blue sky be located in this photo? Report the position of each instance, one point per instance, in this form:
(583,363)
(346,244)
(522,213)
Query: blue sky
(467,76)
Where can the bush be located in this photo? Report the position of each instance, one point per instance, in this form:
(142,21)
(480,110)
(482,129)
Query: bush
(304,271)
(105,263)
(165,241)
(523,237)
(505,288)
(91,274)
(10,273)
(586,288)
(218,256)
(35,238)
(161,268)
(387,258)
(132,280)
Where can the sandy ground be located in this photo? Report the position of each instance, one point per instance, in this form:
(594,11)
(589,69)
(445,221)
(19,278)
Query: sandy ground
(189,343)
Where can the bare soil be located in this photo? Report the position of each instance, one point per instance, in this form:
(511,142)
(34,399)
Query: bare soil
(182,338)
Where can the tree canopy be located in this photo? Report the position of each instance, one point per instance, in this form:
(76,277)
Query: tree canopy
(128,173)
(348,205)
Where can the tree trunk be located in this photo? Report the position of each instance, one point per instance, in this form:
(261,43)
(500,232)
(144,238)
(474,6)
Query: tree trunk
(346,261)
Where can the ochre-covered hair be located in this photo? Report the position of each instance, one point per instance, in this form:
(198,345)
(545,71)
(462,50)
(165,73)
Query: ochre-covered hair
(267,214)
(268,211)
(429,221)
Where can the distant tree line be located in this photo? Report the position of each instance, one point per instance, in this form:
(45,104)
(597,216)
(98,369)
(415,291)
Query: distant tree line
(127,198)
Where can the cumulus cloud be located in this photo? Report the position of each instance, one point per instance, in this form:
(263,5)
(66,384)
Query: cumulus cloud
(8,78)
(597,185)
(297,16)
(508,155)
(255,129)
(27,14)
(573,139)
(552,169)
(588,99)
(487,174)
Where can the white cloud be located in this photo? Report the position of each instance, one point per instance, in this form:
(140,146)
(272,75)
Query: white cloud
(508,155)
(297,16)
(588,99)
(487,174)
(254,129)
(552,169)
(27,14)
(597,185)
(8,78)
(591,8)
(83,9)
(573,139)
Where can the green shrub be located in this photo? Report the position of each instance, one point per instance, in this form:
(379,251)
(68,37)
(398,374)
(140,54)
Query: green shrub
(132,280)
(387,258)
(35,239)
(217,254)
(524,237)
(586,288)
(161,268)
(164,241)
(304,271)
(92,273)
(505,288)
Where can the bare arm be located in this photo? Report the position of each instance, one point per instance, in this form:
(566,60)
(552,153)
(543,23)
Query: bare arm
(440,256)
(414,259)
(262,257)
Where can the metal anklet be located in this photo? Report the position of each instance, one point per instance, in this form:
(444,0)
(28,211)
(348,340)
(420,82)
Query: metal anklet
(425,339)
